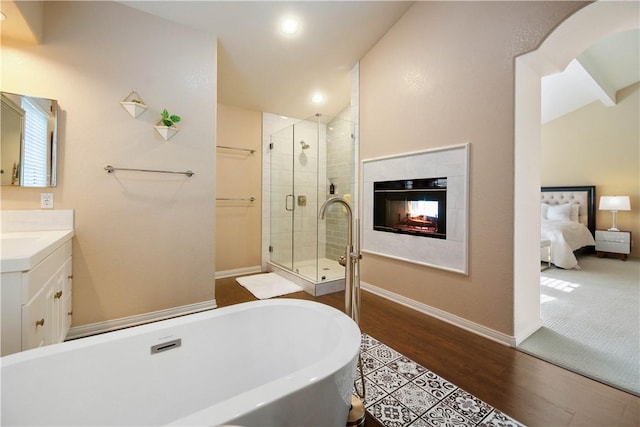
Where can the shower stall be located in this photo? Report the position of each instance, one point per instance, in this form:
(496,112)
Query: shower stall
(310,161)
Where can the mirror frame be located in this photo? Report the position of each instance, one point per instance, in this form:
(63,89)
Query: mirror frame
(16,145)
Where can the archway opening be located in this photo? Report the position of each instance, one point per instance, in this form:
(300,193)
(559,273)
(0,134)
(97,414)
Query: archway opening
(567,41)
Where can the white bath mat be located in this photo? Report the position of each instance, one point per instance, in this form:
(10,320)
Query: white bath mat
(268,285)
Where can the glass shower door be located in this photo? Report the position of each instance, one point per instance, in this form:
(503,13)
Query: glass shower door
(294,198)
(305,185)
(282,198)
(311,161)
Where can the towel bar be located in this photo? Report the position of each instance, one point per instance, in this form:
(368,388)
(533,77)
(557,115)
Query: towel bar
(111,169)
(237,199)
(236,148)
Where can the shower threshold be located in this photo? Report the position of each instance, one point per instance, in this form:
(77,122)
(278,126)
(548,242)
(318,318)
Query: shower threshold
(316,288)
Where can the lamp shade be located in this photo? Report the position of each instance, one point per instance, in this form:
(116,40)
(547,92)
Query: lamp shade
(614,203)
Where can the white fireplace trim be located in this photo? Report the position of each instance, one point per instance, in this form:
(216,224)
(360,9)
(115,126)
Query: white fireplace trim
(451,162)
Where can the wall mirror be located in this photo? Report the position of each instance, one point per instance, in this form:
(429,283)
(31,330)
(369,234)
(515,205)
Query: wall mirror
(28,141)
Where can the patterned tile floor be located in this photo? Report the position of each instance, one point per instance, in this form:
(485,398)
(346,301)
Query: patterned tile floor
(400,392)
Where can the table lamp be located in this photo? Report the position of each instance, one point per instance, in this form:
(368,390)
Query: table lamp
(614,204)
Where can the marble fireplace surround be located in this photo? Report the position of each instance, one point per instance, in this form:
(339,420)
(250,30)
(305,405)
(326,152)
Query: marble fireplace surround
(451,162)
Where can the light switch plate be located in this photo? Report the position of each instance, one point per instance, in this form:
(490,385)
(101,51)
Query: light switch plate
(46,200)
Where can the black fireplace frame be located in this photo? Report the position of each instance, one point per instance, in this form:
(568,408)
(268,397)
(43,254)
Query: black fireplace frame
(388,194)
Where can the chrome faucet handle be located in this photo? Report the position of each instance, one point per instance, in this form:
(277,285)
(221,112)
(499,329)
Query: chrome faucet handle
(342,260)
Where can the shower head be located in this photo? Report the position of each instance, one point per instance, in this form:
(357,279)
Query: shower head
(304,145)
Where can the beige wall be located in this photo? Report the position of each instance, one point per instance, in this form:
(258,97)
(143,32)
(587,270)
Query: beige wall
(444,75)
(144,242)
(238,175)
(599,145)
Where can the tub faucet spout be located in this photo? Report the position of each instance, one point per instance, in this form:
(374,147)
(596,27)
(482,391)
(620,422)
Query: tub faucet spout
(351,263)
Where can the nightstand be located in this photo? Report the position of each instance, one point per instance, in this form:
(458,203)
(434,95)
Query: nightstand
(614,243)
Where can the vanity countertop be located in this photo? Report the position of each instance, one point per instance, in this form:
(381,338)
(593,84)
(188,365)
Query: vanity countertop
(23,250)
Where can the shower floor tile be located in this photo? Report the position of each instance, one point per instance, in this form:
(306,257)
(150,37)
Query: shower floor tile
(327,269)
(400,392)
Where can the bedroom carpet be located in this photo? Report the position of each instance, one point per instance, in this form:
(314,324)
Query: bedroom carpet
(591,321)
(400,392)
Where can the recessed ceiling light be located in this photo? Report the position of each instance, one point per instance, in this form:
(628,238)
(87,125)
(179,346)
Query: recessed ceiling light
(2,17)
(317,98)
(289,26)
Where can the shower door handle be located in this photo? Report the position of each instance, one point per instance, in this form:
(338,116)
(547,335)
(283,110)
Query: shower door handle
(286,203)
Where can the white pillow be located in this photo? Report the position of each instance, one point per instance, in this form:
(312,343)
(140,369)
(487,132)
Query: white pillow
(543,210)
(575,209)
(559,212)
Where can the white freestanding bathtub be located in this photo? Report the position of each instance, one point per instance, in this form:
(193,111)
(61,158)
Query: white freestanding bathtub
(280,362)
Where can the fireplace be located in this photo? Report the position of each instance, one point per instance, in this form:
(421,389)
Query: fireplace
(437,180)
(411,206)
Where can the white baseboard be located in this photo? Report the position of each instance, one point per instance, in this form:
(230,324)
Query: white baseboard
(452,319)
(138,319)
(238,271)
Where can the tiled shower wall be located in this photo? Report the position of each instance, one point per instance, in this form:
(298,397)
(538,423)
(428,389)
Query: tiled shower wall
(309,172)
(340,165)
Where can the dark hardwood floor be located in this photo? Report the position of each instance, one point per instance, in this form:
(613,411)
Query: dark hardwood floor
(528,389)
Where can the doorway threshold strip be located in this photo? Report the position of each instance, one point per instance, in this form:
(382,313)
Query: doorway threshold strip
(400,392)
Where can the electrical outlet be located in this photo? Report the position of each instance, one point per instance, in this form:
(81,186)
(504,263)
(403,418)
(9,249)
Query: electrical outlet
(46,200)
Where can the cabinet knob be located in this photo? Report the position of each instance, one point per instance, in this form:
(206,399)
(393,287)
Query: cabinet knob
(58,295)
(40,322)
(70,276)
(70,313)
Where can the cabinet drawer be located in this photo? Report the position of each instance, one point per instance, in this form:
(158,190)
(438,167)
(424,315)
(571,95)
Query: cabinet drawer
(614,247)
(35,320)
(613,236)
(34,278)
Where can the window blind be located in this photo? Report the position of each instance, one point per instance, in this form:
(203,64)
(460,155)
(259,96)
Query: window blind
(34,156)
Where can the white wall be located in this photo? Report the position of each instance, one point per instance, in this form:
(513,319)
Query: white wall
(144,242)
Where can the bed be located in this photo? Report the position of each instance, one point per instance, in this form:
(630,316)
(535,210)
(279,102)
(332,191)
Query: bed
(568,219)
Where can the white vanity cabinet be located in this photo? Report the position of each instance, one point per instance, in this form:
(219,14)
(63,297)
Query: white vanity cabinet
(36,304)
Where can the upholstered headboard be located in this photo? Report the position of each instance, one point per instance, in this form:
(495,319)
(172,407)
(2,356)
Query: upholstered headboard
(585,196)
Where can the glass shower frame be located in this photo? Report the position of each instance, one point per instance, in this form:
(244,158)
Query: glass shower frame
(309,160)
